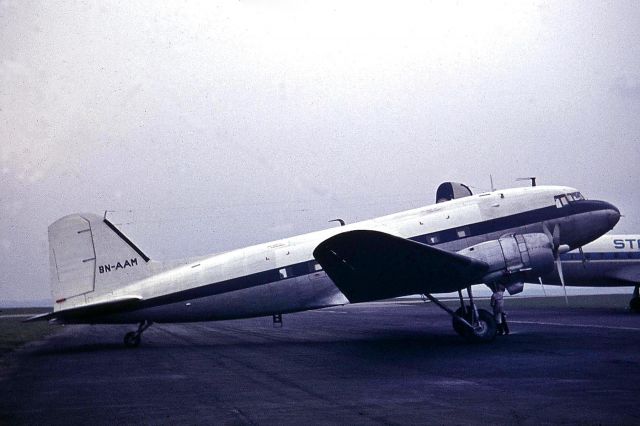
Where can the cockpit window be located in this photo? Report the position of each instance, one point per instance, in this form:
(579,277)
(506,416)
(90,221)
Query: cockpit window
(565,199)
(577,196)
(561,201)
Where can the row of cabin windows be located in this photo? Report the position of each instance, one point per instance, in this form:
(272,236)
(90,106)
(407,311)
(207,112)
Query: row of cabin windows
(292,271)
(437,237)
(432,239)
(314,266)
(565,199)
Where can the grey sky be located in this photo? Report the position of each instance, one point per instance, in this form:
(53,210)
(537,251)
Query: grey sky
(210,126)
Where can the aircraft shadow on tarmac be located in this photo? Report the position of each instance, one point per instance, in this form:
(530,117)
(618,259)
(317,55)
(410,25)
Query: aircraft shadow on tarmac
(381,343)
(401,337)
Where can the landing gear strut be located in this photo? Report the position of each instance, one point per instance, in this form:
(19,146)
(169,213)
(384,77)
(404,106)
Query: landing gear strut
(634,304)
(475,325)
(132,339)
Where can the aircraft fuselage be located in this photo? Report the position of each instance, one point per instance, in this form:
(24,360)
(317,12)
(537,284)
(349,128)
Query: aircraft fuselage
(282,276)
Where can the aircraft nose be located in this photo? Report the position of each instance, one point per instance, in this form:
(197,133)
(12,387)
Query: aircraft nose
(613,215)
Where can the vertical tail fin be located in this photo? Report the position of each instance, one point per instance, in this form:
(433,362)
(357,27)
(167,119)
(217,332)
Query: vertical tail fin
(89,257)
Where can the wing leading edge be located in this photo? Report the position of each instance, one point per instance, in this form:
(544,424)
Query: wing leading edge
(372,265)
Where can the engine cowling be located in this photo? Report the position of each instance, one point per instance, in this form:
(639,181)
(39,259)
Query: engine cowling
(513,258)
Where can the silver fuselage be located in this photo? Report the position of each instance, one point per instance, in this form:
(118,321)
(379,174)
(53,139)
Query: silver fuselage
(282,276)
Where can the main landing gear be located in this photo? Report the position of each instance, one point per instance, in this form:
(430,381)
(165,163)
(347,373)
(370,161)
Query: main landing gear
(475,325)
(634,304)
(132,339)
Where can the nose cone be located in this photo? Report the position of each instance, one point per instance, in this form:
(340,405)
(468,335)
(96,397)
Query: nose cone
(591,219)
(613,215)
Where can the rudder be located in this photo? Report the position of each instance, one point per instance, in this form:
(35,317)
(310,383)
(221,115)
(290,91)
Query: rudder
(89,257)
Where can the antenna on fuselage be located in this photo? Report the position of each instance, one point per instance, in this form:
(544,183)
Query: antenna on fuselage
(531,178)
(491,179)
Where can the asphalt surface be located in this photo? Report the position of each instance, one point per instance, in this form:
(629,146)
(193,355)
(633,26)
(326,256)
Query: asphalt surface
(385,363)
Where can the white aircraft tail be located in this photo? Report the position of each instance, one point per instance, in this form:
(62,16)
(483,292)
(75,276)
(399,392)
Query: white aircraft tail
(90,258)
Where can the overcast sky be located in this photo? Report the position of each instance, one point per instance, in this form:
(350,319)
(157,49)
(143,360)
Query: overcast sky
(211,126)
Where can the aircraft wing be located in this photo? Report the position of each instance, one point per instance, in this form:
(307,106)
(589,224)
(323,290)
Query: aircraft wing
(372,265)
(85,312)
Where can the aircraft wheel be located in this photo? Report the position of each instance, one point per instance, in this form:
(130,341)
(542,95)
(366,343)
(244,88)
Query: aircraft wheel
(132,339)
(634,304)
(486,330)
(458,326)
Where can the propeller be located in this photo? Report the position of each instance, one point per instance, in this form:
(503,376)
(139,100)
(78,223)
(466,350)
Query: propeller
(557,250)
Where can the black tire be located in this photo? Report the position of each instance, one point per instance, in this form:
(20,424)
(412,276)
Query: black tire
(131,339)
(460,327)
(634,304)
(486,331)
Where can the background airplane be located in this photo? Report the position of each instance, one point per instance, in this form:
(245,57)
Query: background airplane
(509,236)
(609,261)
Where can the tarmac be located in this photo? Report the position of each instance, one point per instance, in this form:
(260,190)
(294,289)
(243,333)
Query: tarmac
(377,363)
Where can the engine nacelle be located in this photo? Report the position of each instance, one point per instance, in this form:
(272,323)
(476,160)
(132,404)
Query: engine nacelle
(513,258)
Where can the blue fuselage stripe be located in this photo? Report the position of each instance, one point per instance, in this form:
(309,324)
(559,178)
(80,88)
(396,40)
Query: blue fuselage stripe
(607,255)
(519,220)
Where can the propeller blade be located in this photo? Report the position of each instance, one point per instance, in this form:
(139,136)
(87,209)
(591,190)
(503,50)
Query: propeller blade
(543,290)
(555,242)
(560,273)
(546,231)
(556,236)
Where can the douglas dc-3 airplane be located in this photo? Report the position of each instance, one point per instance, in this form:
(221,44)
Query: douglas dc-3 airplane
(99,276)
(609,261)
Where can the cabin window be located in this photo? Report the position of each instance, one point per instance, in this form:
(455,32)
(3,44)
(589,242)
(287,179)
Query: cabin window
(463,232)
(315,267)
(432,239)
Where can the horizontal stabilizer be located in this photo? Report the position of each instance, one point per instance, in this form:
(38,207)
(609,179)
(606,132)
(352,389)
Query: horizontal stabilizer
(372,265)
(94,310)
